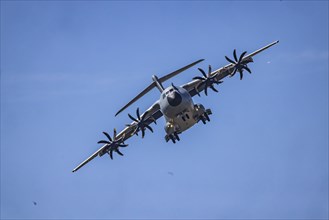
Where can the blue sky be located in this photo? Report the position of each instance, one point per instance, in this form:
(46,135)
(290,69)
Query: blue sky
(67,67)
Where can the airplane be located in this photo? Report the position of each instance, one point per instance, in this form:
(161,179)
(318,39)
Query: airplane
(175,104)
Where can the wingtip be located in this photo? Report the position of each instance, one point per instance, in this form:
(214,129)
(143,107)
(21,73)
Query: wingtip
(117,113)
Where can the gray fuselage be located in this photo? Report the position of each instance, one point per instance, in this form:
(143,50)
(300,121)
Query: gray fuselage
(178,109)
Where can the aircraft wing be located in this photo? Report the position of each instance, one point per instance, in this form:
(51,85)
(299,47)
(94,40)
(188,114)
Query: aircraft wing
(153,113)
(196,86)
(150,115)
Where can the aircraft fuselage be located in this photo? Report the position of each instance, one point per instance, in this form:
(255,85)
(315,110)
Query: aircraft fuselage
(178,109)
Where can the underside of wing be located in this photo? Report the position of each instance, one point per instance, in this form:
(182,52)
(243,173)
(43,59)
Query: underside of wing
(154,84)
(141,122)
(89,158)
(238,64)
(114,143)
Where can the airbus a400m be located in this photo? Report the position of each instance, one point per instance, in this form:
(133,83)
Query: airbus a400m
(175,104)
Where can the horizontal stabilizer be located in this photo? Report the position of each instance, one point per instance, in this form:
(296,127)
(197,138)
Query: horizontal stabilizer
(153,84)
(170,75)
(149,88)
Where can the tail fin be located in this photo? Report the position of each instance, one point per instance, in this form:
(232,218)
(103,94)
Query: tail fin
(170,75)
(154,84)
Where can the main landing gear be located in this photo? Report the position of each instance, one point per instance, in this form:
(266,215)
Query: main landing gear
(173,137)
(205,116)
(202,114)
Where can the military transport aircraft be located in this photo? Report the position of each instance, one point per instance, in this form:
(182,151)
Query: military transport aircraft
(175,104)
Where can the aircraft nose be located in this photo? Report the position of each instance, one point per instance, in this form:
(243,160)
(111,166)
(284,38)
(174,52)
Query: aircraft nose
(174,98)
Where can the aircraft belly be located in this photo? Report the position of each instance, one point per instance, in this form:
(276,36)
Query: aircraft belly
(182,116)
(185,121)
(178,117)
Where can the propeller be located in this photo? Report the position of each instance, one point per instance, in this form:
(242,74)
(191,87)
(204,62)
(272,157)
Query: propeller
(141,123)
(207,80)
(113,144)
(239,64)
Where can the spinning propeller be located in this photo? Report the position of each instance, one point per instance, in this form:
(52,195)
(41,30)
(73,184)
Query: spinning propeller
(239,64)
(207,81)
(141,123)
(113,144)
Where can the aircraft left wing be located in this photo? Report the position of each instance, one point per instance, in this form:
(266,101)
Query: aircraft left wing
(145,119)
(197,85)
(139,123)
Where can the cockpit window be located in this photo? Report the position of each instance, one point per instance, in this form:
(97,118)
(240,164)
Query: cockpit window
(166,93)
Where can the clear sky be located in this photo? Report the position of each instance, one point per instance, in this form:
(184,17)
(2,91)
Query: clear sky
(68,66)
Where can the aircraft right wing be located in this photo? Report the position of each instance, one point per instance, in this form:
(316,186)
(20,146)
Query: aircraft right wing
(196,86)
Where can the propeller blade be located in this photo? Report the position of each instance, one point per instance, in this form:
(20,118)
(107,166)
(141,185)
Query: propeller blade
(246,61)
(239,65)
(208,80)
(241,74)
(241,56)
(132,118)
(234,54)
(114,133)
(117,150)
(234,71)
(229,60)
(209,70)
(138,115)
(111,154)
(136,131)
(152,119)
(213,88)
(142,122)
(203,73)
(198,77)
(107,135)
(103,142)
(198,87)
(246,68)
(147,126)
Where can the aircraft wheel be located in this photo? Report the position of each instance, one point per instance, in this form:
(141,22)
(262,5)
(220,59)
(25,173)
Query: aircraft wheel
(206,116)
(173,139)
(176,136)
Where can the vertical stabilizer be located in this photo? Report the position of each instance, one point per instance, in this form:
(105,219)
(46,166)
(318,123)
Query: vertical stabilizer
(157,83)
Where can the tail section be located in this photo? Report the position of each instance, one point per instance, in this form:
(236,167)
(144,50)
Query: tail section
(157,83)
